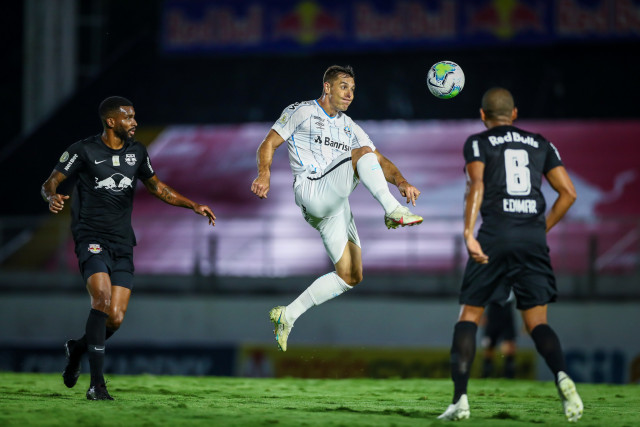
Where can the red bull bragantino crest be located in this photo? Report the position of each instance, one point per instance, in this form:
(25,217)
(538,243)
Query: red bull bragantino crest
(95,248)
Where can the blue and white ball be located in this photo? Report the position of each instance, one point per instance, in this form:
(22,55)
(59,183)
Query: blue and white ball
(445,79)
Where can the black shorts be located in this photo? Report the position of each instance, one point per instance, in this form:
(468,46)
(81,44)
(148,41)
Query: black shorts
(500,323)
(519,264)
(100,256)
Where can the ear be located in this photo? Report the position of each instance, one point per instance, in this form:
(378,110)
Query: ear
(514,114)
(111,122)
(327,88)
(482,115)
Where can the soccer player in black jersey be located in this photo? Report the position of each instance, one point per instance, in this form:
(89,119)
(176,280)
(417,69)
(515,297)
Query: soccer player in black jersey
(108,166)
(504,168)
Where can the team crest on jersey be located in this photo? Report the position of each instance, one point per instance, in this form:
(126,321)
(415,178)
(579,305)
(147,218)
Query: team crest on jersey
(95,248)
(64,157)
(130,159)
(347,130)
(283,119)
(116,182)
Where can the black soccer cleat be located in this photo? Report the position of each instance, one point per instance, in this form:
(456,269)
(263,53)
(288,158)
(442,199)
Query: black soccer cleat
(72,370)
(98,392)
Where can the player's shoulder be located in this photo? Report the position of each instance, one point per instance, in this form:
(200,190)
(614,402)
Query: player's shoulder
(300,107)
(136,145)
(84,145)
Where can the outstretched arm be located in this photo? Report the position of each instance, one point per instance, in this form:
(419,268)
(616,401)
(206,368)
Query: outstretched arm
(48,191)
(560,181)
(392,175)
(168,195)
(264,157)
(472,202)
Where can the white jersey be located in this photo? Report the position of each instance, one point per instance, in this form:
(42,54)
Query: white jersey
(315,139)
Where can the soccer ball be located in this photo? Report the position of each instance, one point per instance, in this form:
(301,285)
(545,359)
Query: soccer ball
(445,79)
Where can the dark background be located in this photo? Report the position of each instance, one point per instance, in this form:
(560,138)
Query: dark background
(558,81)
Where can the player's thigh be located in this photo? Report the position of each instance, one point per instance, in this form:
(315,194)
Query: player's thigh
(324,196)
(122,265)
(484,283)
(335,232)
(535,284)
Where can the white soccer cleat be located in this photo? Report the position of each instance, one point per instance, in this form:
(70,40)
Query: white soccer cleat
(571,401)
(457,411)
(401,216)
(282,328)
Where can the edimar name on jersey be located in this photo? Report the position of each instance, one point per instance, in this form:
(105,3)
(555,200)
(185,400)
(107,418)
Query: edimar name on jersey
(528,206)
(513,137)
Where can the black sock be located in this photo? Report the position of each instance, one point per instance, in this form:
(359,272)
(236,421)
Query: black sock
(81,344)
(463,351)
(95,333)
(548,345)
(510,366)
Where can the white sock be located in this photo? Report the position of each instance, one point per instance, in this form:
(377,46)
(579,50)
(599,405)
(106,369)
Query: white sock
(372,177)
(321,290)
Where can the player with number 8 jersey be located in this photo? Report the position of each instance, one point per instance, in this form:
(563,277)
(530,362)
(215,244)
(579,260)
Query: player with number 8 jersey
(504,167)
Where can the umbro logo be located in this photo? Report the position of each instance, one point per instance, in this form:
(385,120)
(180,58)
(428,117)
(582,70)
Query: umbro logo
(98,162)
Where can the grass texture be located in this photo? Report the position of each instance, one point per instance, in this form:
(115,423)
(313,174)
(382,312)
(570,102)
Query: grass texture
(145,400)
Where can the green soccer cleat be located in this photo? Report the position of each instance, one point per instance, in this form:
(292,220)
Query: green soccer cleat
(401,216)
(282,328)
(571,401)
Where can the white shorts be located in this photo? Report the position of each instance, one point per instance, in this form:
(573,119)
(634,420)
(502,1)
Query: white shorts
(324,200)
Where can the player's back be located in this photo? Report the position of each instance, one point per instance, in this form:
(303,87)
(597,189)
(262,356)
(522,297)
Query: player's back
(515,161)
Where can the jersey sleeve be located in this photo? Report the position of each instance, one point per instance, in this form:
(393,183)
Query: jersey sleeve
(472,150)
(552,159)
(361,138)
(145,171)
(290,119)
(71,160)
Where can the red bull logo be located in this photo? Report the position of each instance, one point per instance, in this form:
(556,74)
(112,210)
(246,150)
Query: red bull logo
(95,248)
(308,23)
(110,183)
(506,18)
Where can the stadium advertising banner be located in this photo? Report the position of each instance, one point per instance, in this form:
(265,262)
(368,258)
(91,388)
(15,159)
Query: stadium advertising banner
(241,26)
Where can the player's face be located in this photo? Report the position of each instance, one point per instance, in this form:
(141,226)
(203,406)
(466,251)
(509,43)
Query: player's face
(341,92)
(125,123)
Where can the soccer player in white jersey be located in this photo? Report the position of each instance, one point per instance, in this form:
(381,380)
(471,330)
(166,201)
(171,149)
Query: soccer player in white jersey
(329,154)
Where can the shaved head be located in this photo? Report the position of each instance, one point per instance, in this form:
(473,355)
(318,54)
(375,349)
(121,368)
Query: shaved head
(497,103)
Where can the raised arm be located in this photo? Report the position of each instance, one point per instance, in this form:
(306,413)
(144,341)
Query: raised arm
(264,158)
(393,175)
(560,181)
(472,201)
(168,195)
(48,191)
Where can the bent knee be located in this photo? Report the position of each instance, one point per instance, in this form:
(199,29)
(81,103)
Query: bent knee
(362,150)
(101,302)
(353,279)
(115,320)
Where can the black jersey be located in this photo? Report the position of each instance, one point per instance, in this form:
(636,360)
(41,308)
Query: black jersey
(106,181)
(515,161)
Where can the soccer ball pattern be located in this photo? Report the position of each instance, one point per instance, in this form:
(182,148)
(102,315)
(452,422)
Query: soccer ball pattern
(445,79)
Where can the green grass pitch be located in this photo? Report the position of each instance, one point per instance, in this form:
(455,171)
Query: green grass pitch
(42,400)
